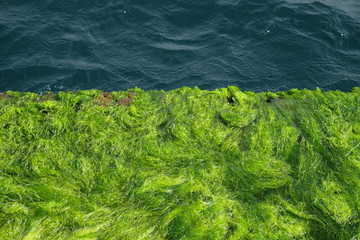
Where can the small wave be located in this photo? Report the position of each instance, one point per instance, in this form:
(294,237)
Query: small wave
(175,47)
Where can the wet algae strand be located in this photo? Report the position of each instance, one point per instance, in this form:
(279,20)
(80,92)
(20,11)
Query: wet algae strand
(183,164)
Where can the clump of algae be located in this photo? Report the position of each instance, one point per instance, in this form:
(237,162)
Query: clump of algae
(183,164)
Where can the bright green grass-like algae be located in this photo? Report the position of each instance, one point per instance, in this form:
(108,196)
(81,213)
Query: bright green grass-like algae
(183,164)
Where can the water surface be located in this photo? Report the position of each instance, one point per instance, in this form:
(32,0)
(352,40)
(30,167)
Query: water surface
(115,45)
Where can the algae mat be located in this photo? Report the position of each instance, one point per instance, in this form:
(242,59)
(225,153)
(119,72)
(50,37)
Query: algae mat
(183,164)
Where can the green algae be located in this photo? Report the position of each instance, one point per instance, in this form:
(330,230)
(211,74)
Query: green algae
(183,164)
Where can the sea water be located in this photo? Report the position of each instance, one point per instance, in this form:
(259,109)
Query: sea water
(267,45)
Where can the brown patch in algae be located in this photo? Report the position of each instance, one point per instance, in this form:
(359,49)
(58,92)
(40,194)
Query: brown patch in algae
(125,101)
(49,96)
(3,96)
(104,99)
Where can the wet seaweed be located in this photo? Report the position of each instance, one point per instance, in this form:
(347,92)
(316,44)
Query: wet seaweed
(182,164)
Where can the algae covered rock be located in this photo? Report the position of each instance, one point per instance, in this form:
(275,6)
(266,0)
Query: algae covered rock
(182,164)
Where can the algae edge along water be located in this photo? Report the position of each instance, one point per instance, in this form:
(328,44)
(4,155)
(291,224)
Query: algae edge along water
(182,164)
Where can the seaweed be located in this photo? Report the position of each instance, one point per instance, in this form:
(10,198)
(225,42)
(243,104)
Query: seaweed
(182,164)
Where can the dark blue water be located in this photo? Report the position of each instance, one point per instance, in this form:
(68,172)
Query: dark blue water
(267,45)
